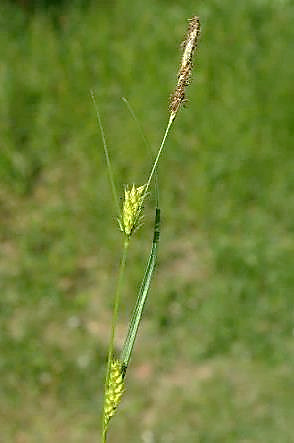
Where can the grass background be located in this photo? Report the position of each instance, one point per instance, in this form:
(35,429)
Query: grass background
(214,357)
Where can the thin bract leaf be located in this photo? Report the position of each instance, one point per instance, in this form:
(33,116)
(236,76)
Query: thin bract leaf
(147,144)
(107,157)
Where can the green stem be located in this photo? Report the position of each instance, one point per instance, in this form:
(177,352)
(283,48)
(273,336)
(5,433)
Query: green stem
(155,164)
(114,323)
(171,119)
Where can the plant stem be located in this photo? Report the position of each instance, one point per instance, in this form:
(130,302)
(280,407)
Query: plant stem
(114,324)
(171,119)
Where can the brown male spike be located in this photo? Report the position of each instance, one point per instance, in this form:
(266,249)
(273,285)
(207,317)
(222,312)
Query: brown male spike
(188,46)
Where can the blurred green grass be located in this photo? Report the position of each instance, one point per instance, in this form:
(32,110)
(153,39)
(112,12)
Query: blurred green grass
(213,361)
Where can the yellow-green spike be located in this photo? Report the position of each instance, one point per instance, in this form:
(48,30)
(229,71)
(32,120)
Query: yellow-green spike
(114,392)
(132,209)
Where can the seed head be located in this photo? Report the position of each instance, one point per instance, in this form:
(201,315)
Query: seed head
(188,46)
(114,392)
(132,209)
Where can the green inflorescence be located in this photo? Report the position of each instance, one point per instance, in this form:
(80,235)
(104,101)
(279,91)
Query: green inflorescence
(132,209)
(114,392)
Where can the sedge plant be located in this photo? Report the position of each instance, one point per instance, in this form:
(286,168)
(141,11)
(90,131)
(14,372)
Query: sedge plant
(129,220)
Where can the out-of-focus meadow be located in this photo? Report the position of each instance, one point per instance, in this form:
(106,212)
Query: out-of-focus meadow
(213,360)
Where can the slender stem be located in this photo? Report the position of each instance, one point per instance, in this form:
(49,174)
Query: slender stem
(114,323)
(171,119)
(155,164)
(104,432)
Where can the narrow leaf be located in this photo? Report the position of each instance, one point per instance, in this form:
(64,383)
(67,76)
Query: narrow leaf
(142,296)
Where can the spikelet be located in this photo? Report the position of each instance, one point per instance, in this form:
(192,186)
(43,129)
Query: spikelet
(114,392)
(132,209)
(188,46)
